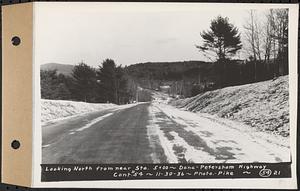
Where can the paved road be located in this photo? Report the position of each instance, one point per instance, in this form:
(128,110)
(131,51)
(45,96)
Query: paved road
(156,133)
(109,136)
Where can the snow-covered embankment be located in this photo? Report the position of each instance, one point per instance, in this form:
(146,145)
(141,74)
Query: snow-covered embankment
(262,105)
(57,109)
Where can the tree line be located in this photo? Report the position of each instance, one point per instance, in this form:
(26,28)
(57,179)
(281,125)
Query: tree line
(108,83)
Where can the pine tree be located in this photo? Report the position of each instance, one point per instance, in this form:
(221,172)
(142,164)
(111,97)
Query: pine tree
(106,76)
(48,80)
(221,43)
(84,83)
(223,39)
(113,83)
(54,86)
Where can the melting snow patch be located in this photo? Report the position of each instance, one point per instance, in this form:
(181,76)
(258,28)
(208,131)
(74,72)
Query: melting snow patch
(188,153)
(165,143)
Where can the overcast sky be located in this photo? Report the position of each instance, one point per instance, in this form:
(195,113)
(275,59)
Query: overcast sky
(127,33)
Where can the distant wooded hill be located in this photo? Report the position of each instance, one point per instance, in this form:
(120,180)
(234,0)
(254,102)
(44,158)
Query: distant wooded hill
(179,76)
(170,70)
(65,69)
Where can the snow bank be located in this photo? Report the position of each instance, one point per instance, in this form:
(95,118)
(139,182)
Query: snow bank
(262,105)
(56,109)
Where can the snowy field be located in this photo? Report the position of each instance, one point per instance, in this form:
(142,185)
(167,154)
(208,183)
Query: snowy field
(262,105)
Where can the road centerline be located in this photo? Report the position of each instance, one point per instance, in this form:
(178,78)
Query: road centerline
(94,121)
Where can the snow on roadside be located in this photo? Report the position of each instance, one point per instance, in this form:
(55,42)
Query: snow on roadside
(189,153)
(262,105)
(222,140)
(153,128)
(57,109)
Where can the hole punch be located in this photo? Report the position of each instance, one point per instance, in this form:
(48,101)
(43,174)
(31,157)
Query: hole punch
(16,40)
(15,144)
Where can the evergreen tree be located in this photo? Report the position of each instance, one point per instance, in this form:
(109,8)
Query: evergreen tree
(48,83)
(223,39)
(54,86)
(106,76)
(84,83)
(221,42)
(123,91)
(112,85)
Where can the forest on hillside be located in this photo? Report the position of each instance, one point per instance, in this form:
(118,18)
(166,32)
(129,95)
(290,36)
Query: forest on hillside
(266,47)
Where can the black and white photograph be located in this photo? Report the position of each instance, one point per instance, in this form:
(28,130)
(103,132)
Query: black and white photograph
(164,85)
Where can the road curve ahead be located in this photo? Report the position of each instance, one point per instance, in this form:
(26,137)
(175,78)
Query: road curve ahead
(157,133)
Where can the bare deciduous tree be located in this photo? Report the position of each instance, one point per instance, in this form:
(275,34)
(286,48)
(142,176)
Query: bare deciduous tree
(267,39)
(253,34)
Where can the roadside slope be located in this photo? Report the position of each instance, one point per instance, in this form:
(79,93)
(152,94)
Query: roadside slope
(262,105)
